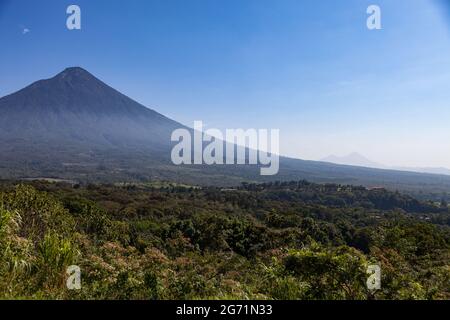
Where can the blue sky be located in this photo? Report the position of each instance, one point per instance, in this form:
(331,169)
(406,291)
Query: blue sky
(310,68)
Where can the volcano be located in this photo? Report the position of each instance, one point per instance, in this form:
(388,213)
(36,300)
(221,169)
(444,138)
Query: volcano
(74,126)
(76,108)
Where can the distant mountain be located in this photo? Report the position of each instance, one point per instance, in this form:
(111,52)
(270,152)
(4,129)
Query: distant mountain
(353,159)
(75,127)
(431,170)
(356,159)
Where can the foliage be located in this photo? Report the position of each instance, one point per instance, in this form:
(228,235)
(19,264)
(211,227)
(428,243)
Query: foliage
(294,240)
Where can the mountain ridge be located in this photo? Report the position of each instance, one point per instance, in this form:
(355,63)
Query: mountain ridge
(356,159)
(74,126)
(352,159)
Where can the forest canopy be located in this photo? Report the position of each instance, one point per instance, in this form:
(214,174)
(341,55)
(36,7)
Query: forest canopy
(289,240)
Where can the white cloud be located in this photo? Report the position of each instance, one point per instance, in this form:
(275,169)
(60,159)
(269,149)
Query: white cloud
(25,30)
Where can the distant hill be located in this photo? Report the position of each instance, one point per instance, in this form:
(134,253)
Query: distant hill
(75,127)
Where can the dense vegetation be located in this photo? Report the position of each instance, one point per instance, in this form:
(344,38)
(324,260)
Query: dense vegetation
(293,240)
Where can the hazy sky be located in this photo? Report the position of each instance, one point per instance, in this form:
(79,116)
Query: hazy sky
(310,68)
